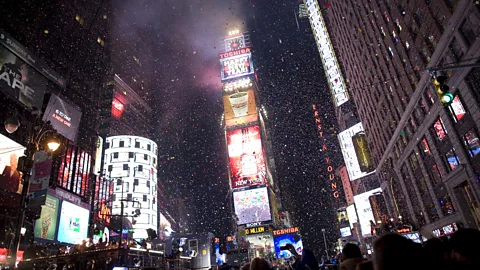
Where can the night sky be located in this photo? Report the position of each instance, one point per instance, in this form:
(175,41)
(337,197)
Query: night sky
(183,85)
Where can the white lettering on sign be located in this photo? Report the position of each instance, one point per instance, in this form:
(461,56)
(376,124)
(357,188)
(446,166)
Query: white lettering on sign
(330,64)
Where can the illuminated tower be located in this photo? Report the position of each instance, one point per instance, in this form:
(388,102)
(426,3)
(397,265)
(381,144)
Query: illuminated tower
(134,160)
(251,180)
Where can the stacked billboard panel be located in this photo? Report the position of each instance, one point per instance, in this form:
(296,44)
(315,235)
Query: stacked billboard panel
(248,169)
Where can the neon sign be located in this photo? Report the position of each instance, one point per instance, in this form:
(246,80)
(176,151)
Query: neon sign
(330,170)
(234,53)
(286,231)
(329,60)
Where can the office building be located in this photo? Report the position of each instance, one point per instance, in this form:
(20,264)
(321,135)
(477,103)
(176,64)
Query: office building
(425,152)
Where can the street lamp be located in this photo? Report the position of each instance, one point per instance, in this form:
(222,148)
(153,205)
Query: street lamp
(36,133)
(325,242)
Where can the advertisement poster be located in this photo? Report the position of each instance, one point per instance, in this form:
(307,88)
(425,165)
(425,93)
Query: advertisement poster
(252,205)
(64,117)
(165,227)
(42,167)
(349,154)
(20,81)
(47,223)
(364,210)
(236,66)
(281,240)
(240,108)
(247,163)
(10,178)
(73,226)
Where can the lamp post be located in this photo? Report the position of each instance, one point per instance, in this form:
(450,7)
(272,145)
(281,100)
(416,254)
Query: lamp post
(36,133)
(325,242)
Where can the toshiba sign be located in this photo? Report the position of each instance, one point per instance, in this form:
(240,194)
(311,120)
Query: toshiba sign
(286,231)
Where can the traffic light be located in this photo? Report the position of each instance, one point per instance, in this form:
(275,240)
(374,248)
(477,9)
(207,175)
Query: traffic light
(442,90)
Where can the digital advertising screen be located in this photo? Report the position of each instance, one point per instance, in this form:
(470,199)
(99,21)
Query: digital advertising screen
(345,232)
(46,225)
(245,152)
(234,43)
(364,210)
(240,108)
(63,116)
(73,226)
(10,178)
(236,66)
(252,205)
(281,240)
(349,154)
(165,227)
(20,81)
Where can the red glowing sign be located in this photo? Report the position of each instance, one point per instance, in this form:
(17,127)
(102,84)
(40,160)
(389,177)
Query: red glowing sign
(117,108)
(245,151)
(330,170)
(235,52)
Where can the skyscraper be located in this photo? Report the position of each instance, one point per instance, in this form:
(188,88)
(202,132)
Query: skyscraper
(425,152)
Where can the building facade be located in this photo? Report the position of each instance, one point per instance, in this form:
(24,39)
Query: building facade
(133,159)
(425,152)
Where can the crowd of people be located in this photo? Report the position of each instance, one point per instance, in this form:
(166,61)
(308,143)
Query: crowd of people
(392,251)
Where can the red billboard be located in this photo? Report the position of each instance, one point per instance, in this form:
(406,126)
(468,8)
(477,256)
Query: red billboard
(245,152)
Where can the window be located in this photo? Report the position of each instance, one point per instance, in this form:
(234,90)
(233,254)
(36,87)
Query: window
(470,28)
(145,156)
(130,154)
(473,80)
(457,49)
(452,159)
(470,140)
(457,111)
(435,175)
(439,129)
(137,144)
(446,205)
(413,161)
(122,143)
(149,147)
(193,245)
(125,167)
(115,155)
(425,148)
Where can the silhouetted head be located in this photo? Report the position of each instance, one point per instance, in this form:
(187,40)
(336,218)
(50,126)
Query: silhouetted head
(351,251)
(465,245)
(434,249)
(259,264)
(393,251)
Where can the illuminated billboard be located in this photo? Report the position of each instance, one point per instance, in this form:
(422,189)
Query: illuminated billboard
(288,236)
(10,177)
(364,210)
(363,153)
(245,152)
(165,227)
(237,85)
(329,60)
(46,225)
(348,151)
(74,221)
(252,205)
(240,108)
(64,117)
(236,66)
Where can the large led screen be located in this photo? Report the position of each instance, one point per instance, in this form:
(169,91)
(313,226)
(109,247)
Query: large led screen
(165,227)
(73,226)
(45,226)
(348,151)
(364,210)
(10,178)
(252,205)
(240,108)
(20,81)
(236,66)
(64,117)
(245,152)
(282,240)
